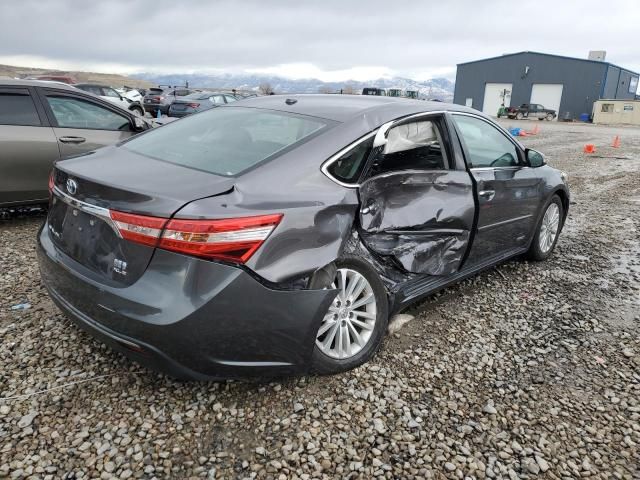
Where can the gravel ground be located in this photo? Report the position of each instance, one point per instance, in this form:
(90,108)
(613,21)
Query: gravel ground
(526,371)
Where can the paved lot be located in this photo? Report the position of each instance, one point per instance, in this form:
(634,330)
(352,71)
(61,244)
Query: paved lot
(526,371)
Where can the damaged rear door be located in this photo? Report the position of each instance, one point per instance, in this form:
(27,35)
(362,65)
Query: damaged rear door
(417,203)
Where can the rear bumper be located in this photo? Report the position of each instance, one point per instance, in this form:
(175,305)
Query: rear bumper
(154,107)
(173,113)
(190,318)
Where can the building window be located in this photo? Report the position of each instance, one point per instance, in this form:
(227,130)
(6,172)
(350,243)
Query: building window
(607,108)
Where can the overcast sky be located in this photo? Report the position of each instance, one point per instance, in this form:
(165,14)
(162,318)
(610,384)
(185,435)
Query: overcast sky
(330,40)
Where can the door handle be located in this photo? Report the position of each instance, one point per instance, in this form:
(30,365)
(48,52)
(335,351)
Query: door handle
(72,139)
(488,194)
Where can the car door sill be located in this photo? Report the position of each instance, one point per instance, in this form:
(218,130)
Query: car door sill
(424,286)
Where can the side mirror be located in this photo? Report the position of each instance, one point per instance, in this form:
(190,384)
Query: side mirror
(534,158)
(140,124)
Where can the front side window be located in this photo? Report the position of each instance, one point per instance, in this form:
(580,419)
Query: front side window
(227,141)
(18,109)
(230,99)
(412,146)
(91,89)
(72,112)
(217,99)
(486,145)
(110,92)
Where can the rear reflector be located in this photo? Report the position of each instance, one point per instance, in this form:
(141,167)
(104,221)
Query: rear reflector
(234,239)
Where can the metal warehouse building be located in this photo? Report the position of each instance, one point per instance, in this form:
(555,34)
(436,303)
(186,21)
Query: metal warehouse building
(565,84)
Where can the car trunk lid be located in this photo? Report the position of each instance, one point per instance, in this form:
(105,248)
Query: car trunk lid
(88,189)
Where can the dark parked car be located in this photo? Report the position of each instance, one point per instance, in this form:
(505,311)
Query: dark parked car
(530,110)
(41,122)
(199,102)
(159,99)
(374,91)
(278,234)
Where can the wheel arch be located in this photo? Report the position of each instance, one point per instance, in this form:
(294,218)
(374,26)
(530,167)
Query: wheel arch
(564,198)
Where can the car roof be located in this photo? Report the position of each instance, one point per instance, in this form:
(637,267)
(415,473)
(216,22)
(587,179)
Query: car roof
(100,85)
(343,108)
(36,83)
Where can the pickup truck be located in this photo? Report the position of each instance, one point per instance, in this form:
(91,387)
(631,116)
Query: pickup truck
(530,110)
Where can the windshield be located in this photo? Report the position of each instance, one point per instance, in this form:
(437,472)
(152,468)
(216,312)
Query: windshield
(226,141)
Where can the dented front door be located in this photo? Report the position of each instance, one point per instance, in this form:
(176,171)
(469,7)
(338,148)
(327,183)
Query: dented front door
(423,219)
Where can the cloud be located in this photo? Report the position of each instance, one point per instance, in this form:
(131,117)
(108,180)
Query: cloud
(333,39)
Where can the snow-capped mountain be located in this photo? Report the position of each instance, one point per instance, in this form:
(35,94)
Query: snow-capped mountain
(437,88)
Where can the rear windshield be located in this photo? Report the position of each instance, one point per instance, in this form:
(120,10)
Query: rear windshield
(155,91)
(228,140)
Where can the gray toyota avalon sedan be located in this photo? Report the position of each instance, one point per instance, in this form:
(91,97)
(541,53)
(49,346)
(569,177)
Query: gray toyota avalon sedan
(278,235)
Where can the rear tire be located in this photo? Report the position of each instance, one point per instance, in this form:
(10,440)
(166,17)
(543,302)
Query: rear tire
(542,245)
(345,324)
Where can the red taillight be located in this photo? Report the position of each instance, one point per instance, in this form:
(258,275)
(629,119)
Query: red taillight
(139,228)
(193,105)
(234,239)
(52,182)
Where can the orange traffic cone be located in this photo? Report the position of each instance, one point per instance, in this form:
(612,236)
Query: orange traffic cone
(589,148)
(616,142)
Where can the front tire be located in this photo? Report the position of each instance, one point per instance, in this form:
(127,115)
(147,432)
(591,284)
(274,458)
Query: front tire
(354,326)
(550,117)
(519,116)
(547,231)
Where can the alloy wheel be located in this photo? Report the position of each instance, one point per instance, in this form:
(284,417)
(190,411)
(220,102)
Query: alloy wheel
(549,227)
(349,324)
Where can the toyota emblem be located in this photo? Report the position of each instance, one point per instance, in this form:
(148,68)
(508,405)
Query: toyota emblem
(72,186)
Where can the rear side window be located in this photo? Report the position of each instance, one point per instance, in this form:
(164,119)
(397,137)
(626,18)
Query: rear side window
(227,141)
(348,167)
(18,109)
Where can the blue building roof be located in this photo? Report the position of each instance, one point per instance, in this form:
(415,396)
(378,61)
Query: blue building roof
(550,55)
